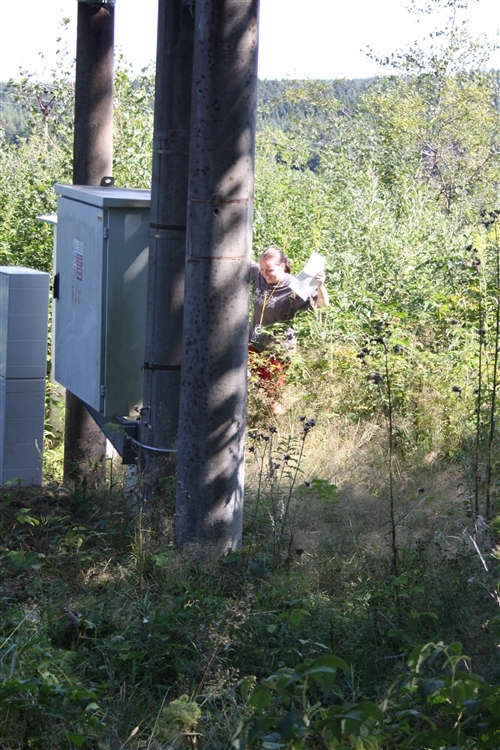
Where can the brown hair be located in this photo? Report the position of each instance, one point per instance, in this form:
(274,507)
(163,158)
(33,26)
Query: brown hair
(273,251)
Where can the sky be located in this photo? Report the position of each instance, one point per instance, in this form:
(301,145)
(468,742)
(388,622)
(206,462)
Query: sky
(297,38)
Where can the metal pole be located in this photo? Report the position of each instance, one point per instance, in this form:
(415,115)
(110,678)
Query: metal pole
(84,443)
(167,246)
(214,353)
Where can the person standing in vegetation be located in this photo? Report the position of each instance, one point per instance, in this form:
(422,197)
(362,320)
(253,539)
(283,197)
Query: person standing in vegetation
(275,303)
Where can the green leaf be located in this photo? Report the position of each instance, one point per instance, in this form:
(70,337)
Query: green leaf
(261,697)
(287,723)
(76,739)
(298,615)
(393,633)
(232,557)
(430,686)
(247,684)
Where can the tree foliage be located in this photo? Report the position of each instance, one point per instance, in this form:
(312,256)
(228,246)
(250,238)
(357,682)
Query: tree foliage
(400,193)
(397,186)
(41,154)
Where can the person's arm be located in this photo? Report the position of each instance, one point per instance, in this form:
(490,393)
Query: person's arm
(322,300)
(254,271)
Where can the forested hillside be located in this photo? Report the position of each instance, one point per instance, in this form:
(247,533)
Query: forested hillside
(282,103)
(276,107)
(13,119)
(363,610)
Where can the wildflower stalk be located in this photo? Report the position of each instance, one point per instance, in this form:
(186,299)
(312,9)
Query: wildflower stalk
(387,407)
(307,426)
(257,500)
(477,445)
(491,431)
(390,433)
(475,466)
(140,550)
(270,483)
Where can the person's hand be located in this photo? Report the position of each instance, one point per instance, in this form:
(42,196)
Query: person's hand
(323,299)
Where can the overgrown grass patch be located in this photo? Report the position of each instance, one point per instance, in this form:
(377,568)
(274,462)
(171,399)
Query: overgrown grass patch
(104,625)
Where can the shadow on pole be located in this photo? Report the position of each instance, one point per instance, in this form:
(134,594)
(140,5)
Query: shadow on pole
(167,247)
(209,502)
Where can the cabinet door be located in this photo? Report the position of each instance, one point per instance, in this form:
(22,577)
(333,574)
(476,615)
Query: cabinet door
(127,276)
(78,310)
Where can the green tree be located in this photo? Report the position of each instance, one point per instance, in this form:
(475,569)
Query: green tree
(31,165)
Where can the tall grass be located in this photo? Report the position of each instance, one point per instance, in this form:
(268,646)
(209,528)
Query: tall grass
(105,628)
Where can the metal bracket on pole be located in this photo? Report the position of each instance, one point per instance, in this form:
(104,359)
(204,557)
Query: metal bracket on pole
(189,4)
(120,431)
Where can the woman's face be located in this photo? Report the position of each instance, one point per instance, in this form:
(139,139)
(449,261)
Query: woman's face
(272,270)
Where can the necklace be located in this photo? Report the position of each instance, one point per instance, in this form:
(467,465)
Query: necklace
(257,331)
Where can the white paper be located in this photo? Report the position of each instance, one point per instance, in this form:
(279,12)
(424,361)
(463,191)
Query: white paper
(305,285)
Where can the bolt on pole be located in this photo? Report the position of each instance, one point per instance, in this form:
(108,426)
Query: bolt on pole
(209,502)
(93,138)
(167,246)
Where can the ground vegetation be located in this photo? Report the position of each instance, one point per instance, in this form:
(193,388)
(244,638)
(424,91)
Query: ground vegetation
(363,608)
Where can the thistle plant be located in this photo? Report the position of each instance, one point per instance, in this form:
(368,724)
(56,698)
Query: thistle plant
(279,464)
(383,383)
(479,391)
(494,383)
(485,289)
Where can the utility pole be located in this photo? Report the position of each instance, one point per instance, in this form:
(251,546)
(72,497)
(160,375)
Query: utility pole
(84,443)
(167,246)
(212,417)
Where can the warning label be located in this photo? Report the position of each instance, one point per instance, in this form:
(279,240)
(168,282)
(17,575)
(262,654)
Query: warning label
(78,260)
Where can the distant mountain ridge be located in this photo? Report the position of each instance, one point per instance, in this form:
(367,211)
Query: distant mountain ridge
(278,105)
(280,102)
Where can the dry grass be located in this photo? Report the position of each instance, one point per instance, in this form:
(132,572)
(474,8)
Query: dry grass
(353,457)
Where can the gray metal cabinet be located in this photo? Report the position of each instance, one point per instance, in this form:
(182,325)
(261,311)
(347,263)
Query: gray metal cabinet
(24,304)
(100,287)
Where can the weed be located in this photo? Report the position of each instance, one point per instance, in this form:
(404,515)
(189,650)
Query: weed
(437,703)
(278,467)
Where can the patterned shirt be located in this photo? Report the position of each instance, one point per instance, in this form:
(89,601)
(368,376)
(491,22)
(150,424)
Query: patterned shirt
(274,304)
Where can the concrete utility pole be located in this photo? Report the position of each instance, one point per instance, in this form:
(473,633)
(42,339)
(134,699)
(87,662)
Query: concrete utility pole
(167,246)
(215,332)
(92,160)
